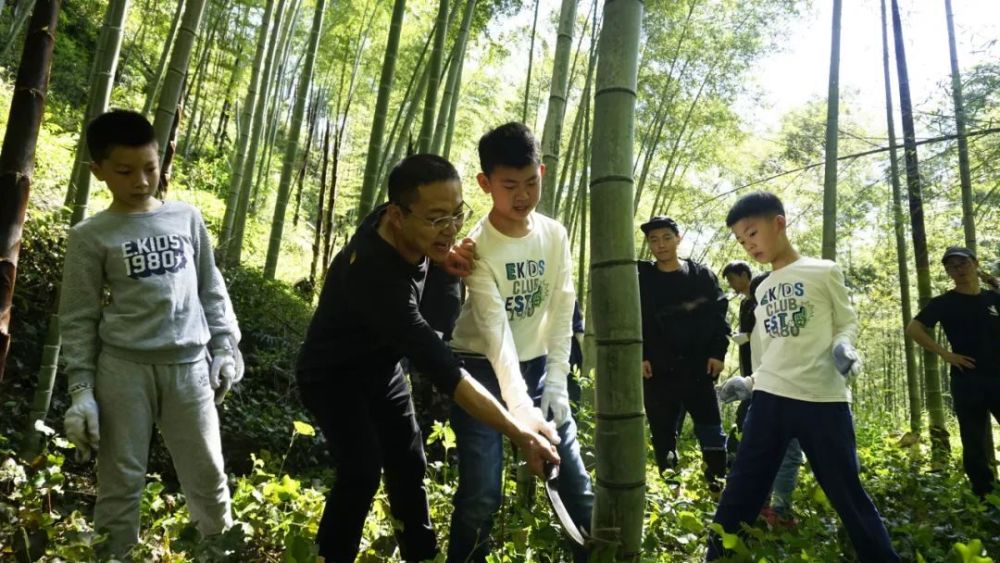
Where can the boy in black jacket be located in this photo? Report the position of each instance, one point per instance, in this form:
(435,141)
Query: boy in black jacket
(684,333)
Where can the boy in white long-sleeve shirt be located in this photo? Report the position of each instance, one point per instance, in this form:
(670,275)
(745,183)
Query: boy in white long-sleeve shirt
(805,328)
(514,335)
(163,352)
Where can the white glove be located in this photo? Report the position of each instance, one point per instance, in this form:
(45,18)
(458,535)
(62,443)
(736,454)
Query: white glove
(555,399)
(82,426)
(740,338)
(535,421)
(736,388)
(846,359)
(226,371)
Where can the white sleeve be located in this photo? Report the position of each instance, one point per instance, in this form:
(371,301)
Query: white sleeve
(489,314)
(845,321)
(560,322)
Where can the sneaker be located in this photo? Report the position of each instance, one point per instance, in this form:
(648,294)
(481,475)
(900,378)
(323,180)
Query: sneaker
(672,460)
(777,518)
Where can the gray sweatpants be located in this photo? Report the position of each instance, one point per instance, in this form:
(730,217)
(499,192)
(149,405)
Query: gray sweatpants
(179,400)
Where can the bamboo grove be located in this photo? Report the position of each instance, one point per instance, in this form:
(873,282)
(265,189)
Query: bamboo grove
(282,119)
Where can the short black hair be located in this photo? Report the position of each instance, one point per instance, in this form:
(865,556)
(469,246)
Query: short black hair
(738,267)
(118,128)
(756,281)
(512,144)
(755,204)
(415,171)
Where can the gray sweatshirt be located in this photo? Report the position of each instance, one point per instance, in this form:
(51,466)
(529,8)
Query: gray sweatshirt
(167,298)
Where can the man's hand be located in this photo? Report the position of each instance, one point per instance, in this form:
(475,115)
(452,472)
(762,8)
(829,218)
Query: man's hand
(714,367)
(536,451)
(226,371)
(461,258)
(736,388)
(82,424)
(740,338)
(846,359)
(959,360)
(533,419)
(647,369)
(555,399)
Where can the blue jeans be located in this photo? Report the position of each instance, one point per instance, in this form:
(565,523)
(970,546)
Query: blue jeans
(480,468)
(786,479)
(826,433)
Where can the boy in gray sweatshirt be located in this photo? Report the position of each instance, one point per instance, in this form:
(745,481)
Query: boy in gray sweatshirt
(161,351)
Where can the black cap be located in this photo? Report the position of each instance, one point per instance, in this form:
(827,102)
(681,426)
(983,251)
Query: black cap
(958,251)
(660,222)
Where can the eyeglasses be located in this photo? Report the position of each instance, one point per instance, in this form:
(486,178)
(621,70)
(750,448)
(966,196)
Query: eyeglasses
(443,223)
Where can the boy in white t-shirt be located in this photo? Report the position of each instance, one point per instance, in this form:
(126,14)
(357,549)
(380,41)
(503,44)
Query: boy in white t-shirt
(514,335)
(805,326)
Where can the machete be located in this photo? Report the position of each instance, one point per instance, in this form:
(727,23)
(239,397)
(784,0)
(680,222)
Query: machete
(555,501)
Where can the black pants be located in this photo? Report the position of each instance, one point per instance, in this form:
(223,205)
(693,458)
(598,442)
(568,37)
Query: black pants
(665,395)
(975,398)
(371,427)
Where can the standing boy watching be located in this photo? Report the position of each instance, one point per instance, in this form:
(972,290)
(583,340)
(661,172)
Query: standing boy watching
(162,352)
(349,375)
(779,513)
(684,342)
(514,334)
(800,390)
(970,316)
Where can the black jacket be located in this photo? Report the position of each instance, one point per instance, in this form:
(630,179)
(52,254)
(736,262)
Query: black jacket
(369,317)
(683,317)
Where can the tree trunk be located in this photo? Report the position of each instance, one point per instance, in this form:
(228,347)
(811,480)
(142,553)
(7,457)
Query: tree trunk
(436,62)
(968,217)
(201,69)
(242,199)
(274,101)
(932,377)
(101,83)
(300,180)
(321,200)
(153,86)
(22,11)
(449,101)
(17,164)
(292,145)
(168,153)
(912,379)
(830,170)
(531,62)
(559,90)
(620,430)
(368,187)
(176,71)
(250,113)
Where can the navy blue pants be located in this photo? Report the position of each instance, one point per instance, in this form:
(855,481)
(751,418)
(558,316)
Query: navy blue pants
(826,433)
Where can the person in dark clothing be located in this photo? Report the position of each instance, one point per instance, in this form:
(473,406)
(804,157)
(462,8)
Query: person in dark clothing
(439,305)
(576,358)
(348,370)
(684,333)
(970,316)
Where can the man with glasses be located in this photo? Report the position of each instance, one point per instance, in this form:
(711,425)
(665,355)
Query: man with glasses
(970,316)
(348,370)
(514,334)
